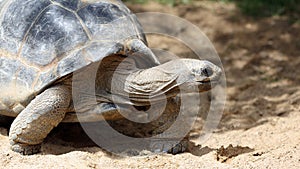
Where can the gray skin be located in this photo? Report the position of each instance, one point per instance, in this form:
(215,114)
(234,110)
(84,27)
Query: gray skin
(53,41)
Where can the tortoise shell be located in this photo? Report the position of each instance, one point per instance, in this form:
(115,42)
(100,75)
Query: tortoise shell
(42,41)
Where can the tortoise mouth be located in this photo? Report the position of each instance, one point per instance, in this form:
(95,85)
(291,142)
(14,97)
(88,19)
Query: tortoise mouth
(209,82)
(199,86)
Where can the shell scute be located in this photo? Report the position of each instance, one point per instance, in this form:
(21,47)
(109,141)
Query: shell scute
(17,19)
(70,4)
(55,33)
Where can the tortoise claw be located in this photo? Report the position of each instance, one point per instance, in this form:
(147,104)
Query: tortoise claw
(26,149)
(171,147)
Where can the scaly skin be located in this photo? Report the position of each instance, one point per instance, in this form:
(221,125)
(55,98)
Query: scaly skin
(35,122)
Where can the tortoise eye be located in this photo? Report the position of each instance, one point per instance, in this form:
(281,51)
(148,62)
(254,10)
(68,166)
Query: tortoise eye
(207,72)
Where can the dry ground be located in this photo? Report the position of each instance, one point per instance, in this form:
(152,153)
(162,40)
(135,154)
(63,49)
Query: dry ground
(260,124)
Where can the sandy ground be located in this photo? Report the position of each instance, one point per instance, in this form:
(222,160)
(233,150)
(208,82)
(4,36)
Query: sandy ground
(260,124)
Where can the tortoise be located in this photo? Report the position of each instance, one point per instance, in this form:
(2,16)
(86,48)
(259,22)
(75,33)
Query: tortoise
(44,43)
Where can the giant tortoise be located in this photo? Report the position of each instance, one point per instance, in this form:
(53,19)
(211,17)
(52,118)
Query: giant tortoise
(43,43)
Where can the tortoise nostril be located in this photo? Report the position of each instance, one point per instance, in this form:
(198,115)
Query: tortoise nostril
(207,72)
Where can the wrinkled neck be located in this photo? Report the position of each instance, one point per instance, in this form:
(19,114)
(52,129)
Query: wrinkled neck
(128,84)
(142,86)
(150,82)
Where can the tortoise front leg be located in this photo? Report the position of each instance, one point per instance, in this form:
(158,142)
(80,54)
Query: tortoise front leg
(34,123)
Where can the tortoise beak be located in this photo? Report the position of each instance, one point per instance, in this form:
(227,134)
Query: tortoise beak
(207,85)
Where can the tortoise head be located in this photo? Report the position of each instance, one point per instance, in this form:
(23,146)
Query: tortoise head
(168,79)
(198,73)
